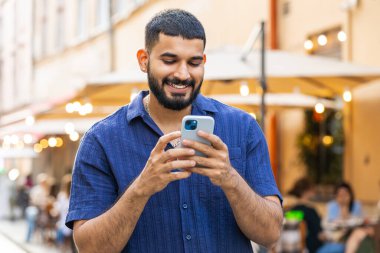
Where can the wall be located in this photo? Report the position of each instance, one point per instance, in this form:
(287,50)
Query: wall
(290,125)
(366,35)
(365,142)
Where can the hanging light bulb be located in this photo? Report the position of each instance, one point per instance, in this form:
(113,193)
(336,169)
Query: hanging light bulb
(244,89)
(319,108)
(347,96)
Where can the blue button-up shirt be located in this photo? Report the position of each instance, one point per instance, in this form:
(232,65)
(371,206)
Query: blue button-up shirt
(190,215)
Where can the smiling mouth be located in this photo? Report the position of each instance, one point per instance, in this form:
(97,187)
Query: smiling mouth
(178,86)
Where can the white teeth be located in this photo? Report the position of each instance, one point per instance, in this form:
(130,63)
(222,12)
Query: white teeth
(178,86)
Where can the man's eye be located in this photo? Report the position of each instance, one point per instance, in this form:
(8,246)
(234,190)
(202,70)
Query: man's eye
(168,61)
(195,64)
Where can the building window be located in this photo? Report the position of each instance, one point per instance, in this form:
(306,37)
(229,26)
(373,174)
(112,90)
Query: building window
(44,27)
(118,6)
(60,24)
(125,7)
(81,18)
(102,13)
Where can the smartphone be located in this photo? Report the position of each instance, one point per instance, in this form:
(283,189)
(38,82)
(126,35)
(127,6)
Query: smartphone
(191,124)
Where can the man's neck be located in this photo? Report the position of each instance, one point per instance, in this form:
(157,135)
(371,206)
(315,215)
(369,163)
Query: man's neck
(166,119)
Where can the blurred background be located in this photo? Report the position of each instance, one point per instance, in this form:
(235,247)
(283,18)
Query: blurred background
(65,64)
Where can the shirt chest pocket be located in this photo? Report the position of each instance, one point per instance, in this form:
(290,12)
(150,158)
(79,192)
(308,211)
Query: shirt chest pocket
(207,190)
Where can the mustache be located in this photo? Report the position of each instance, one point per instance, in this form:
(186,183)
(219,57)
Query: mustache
(176,81)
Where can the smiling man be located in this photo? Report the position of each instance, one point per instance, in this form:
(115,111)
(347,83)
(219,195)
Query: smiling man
(125,196)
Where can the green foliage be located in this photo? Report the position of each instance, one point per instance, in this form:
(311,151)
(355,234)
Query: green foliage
(321,146)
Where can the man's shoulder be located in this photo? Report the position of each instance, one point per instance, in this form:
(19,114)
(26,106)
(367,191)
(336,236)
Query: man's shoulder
(226,110)
(111,123)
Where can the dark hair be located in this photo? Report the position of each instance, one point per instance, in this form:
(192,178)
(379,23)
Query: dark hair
(173,22)
(348,187)
(302,185)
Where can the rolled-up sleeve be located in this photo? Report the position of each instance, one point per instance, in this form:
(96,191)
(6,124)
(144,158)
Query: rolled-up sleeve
(259,174)
(93,189)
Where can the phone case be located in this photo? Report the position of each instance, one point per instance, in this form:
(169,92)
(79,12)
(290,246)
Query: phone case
(204,123)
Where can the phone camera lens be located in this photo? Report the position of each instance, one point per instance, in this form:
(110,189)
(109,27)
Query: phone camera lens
(191,124)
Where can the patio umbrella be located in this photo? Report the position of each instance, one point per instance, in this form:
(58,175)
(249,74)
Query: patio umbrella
(225,72)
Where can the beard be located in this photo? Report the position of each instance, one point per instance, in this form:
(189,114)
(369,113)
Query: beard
(178,102)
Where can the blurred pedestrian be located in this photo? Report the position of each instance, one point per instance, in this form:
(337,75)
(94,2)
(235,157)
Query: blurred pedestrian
(39,199)
(61,207)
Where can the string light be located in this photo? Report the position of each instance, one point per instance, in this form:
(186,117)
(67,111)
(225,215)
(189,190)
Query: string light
(342,37)
(322,40)
(30,120)
(37,148)
(308,45)
(74,136)
(52,142)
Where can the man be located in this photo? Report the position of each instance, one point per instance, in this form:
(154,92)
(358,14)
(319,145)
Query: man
(125,195)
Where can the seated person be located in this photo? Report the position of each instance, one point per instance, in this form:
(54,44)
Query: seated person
(303,190)
(340,212)
(344,206)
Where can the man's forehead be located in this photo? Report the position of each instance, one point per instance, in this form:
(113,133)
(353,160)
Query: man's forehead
(178,44)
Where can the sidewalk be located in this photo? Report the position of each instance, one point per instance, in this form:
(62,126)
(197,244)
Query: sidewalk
(7,245)
(12,235)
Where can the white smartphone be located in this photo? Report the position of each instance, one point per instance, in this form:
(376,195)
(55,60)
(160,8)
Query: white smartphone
(191,124)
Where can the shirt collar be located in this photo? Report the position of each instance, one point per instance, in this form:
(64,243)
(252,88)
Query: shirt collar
(201,106)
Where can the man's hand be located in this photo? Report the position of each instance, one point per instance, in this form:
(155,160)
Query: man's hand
(217,163)
(157,173)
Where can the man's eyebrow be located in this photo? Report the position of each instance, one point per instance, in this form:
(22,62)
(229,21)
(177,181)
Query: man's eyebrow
(171,55)
(167,54)
(197,58)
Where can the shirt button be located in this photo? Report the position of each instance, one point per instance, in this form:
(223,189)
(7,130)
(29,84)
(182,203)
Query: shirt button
(184,206)
(188,237)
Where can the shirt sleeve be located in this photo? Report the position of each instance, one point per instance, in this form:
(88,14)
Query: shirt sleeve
(259,174)
(332,211)
(357,209)
(94,188)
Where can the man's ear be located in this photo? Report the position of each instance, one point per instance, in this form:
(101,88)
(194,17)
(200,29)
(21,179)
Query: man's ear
(143,58)
(204,58)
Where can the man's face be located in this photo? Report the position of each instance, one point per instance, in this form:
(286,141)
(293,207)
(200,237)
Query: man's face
(175,71)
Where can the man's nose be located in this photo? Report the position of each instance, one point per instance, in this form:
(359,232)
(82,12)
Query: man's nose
(182,72)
